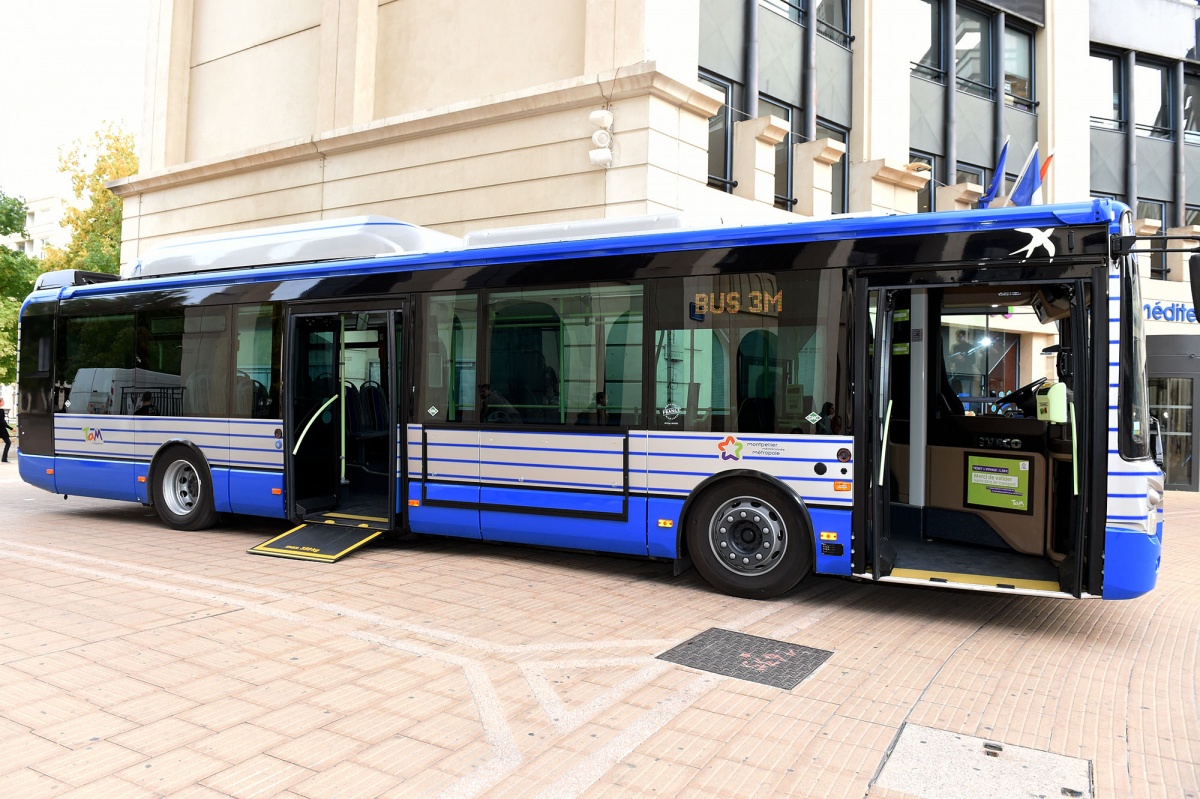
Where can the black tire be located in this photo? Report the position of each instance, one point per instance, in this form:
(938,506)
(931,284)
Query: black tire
(181,487)
(747,538)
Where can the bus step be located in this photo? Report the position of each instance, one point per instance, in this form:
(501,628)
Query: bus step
(325,543)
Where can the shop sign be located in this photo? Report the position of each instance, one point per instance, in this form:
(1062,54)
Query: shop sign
(1169,312)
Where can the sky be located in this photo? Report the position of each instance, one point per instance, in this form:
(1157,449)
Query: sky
(66,68)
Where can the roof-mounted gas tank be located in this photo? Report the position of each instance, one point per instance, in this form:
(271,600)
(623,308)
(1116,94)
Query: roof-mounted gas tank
(327,240)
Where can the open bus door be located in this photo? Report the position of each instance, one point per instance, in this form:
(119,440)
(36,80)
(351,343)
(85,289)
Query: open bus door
(345,479)
(964,482)
(874,404)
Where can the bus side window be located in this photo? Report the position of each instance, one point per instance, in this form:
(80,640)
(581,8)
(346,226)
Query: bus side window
(447,368)
(258,361)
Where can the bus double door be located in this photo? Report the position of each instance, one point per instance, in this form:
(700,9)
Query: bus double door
(964,486)
(346,363)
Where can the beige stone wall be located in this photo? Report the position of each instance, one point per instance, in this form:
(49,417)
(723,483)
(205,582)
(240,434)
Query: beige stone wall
(443,113)
(442,52)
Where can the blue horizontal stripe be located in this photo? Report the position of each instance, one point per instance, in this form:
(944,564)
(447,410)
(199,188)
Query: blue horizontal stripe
(813,501)
(1126,518)
(778,476)
(528,465)
(1128,496)
(553,466)
(713,455)
(798,437)
(528,482)
(553,449)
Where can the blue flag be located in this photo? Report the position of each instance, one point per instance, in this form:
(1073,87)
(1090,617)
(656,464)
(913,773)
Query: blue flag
(997,178)
(1028,190)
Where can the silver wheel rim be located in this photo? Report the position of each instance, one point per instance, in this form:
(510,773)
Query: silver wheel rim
(748,536)
(181,488)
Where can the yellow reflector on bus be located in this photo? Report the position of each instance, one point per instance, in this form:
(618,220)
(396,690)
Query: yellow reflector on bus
(142,479)
(829,536)
(841,485)
(276,491)
(666,523)
(49,471)
(414,503)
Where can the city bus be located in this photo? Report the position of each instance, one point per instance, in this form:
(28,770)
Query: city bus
(951,399)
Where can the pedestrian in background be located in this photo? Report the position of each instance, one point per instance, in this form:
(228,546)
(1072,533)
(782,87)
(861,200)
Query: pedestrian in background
(4,428)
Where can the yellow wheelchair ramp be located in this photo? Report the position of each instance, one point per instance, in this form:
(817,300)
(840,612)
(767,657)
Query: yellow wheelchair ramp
(324,543)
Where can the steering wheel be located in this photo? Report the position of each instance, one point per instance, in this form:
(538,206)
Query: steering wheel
(1023,398)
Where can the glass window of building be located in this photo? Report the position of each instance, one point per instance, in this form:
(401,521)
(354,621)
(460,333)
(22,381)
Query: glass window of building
(1152,209)
(925,195)
(1104,92)
(1191,108)
(833,20)
(826,130)
(720,134)
(783,152)
(968,173)
(785,8)
(1018,68)
(1152,101)
(1171,404)
(925,37)
(1191,215)
(973,51)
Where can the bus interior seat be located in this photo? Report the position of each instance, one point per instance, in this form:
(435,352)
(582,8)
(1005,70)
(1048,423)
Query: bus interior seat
(373,408)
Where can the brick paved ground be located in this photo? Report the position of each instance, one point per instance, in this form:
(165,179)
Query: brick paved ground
(137,661)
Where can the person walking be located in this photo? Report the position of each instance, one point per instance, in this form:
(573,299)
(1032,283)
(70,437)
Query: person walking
(4,428)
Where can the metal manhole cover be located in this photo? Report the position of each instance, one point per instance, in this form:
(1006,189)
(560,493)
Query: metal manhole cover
(933,764)
(748,657)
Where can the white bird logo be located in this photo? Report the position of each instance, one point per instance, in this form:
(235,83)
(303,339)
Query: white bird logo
(1037,238)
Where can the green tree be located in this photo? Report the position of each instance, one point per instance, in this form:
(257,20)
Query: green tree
(17,273)
(95,244)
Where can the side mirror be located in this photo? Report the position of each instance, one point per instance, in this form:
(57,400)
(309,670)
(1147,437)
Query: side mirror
(1194,269)
(1156,449)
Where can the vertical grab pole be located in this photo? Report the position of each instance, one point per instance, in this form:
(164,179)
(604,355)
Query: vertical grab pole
(341,377)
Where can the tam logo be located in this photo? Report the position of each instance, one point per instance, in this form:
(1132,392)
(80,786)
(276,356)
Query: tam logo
(93,435)
(731,449)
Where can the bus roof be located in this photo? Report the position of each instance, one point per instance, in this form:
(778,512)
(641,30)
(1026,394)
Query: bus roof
(401,246)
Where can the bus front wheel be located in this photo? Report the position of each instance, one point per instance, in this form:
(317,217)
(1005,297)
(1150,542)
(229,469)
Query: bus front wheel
(746,539)
(183,491)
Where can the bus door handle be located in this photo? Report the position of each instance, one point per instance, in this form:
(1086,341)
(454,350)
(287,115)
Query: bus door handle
(314,418)
(887,422)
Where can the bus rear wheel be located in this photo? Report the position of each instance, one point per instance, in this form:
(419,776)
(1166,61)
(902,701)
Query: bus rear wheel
(182,489)
(746,539)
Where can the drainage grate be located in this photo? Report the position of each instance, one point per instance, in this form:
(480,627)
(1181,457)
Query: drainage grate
(933,764)
(748,657)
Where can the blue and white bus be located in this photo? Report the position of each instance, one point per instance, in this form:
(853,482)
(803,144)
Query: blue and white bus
(946,399)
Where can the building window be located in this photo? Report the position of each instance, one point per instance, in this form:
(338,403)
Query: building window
(720,136)
(825,130)
(1152,93)
(1018,69)
(786,8)
(1191,108)
(925,38)
(968,173)
(1152,209)
(973,52)
(1191,215)
(783,152)
(1104,90)
(925,199)
(833,20)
